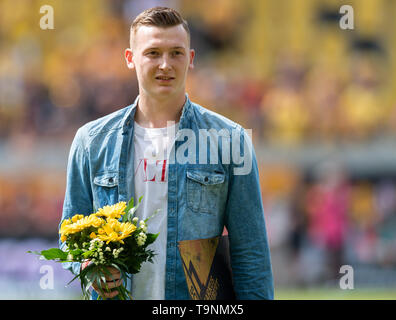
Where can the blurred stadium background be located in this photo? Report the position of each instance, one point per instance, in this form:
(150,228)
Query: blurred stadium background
(320,101)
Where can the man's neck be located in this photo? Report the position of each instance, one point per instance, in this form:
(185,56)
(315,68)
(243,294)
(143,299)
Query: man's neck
(154,113)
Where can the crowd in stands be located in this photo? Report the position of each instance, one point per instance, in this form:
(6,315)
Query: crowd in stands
(286,71)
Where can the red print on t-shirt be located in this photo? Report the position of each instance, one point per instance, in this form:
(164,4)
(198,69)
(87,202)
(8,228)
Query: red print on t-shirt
(151,172)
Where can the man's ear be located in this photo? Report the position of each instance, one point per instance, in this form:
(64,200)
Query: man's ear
(129,58)
(192,55)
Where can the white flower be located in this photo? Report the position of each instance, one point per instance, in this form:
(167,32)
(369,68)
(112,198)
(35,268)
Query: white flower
(141,239)
(135,220)
(115,253)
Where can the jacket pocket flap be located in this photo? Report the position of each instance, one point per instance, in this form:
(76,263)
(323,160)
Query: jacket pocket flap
(107,179)
(204,177)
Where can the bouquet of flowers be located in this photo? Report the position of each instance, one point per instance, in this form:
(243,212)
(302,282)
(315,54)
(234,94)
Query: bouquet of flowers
(110,237)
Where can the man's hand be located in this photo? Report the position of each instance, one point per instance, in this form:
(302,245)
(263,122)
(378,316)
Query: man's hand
(113,280)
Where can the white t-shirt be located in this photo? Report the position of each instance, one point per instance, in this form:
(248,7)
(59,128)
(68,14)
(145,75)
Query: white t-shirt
(152,147)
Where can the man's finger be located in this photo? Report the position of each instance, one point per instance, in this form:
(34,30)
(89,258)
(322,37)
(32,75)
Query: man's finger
(108,284)
(112,284)
(112,274)
(112,277)
(108,295)
(105,291)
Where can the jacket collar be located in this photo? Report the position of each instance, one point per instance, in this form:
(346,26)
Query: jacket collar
(128,119)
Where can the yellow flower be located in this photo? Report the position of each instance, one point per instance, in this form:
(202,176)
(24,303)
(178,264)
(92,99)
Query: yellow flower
(64,225)
(115,231)
(114,212)
(92,235)
(90,221)
(77,217)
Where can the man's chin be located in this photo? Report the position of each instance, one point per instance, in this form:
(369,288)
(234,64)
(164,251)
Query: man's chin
(165,92)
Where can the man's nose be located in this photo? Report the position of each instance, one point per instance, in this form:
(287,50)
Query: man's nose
(165,63)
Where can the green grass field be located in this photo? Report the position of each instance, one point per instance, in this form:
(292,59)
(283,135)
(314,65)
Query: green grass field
(327,294)
(335,294)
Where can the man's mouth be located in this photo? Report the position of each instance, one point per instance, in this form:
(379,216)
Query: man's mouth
(164,78)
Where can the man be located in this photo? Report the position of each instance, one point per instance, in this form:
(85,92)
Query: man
(132,153)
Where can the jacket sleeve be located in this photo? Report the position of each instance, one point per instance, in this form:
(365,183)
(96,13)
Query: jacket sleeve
(244,220)
(78,196)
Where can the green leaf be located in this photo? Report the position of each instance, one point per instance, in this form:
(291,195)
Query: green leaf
(130,210)
(155,212)
(129,207)
(151,237)
(119,265)
(130,204)
(54,253)
(76,252)
(77,276)
(86,254)
(34,252)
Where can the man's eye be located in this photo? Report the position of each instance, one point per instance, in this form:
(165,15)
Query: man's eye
(152,53)
(177,53)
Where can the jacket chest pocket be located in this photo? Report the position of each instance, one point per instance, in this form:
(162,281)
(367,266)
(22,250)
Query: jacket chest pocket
(105,189)
(204,190)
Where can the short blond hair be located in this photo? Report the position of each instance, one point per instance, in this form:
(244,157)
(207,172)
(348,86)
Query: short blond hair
(158,17)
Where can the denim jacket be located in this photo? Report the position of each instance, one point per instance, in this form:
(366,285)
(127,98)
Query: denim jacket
(203,197)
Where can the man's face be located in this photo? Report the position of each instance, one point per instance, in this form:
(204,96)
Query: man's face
(161,58)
